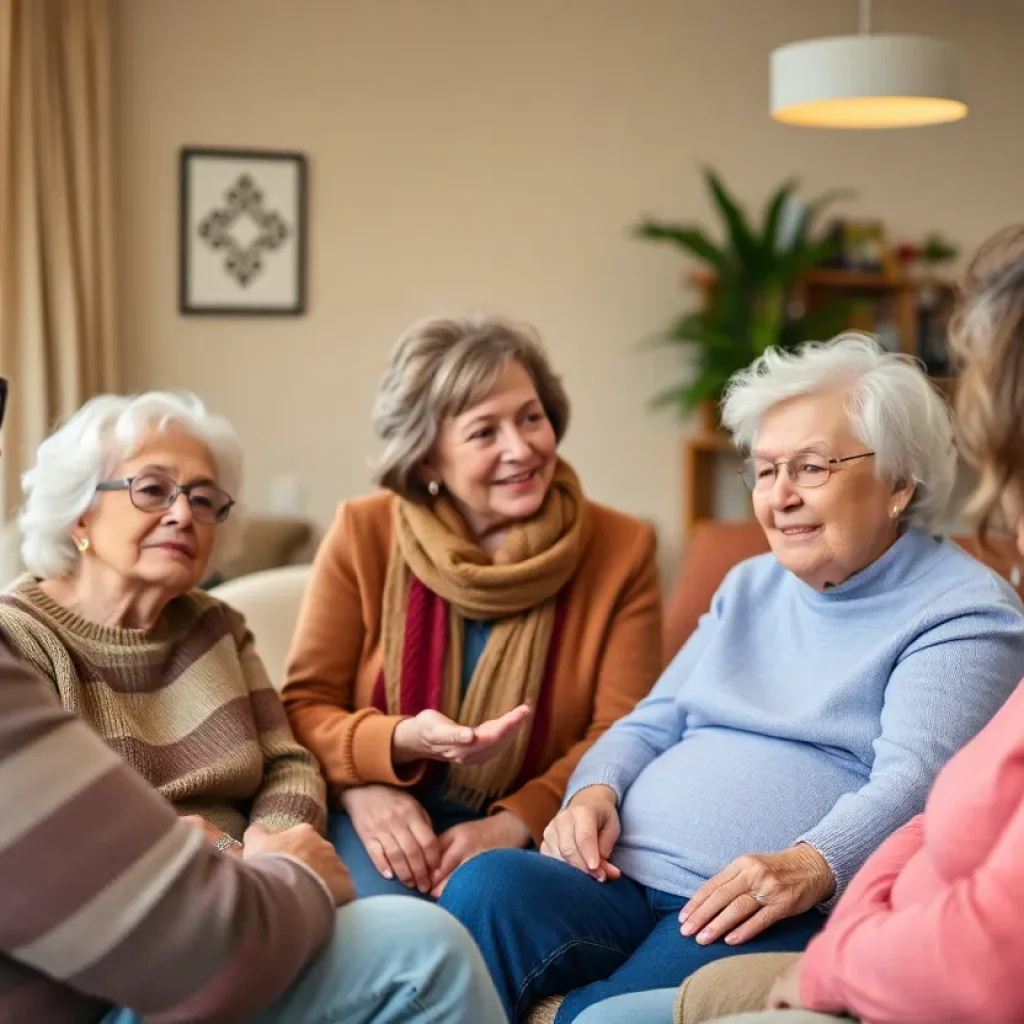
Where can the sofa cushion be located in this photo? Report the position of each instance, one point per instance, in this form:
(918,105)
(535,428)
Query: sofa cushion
(268,542)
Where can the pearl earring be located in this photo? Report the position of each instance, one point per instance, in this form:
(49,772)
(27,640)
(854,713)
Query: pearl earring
(896,510)
(82,543)
(434,488)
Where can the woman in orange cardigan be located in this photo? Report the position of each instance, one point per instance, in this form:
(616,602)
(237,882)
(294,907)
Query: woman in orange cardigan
(471,631)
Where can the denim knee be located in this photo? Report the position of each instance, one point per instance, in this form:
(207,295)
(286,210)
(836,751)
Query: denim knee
(487,880)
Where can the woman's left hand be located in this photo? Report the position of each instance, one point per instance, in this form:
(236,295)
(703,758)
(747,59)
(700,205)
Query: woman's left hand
(754,892)
(785,993)
(501,831)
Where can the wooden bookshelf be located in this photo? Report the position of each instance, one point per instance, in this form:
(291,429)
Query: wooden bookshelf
(887,304)
(701,457)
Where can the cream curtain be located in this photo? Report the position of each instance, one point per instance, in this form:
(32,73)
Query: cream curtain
(58,339)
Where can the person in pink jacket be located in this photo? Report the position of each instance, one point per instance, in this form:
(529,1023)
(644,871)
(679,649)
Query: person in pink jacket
(932,927)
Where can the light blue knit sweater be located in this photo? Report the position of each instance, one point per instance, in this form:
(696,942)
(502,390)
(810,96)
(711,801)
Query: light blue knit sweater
(797,715)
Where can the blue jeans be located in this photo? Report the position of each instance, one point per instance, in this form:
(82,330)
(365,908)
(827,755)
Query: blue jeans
(545,929)
(658,1006)
(389,962)
(365,876)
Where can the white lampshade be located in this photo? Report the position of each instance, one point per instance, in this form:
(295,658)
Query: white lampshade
(867,81)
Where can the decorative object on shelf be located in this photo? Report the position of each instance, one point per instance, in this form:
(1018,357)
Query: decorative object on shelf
(242,232)
(926,258)
(867,81)
(938,251)
(863,247)
(750,305)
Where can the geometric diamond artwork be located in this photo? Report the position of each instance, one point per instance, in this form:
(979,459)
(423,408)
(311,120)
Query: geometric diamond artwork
(242,232)
(243,228)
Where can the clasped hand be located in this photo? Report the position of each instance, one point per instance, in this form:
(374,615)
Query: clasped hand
(585,833)
(399,837)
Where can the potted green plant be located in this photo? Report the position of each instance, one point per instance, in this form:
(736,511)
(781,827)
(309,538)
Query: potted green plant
(748,307)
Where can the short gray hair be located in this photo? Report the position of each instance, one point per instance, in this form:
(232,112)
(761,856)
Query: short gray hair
(84,450)
(440,367)
(893,409)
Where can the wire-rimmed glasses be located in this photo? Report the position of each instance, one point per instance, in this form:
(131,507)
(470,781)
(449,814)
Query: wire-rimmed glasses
(805,469)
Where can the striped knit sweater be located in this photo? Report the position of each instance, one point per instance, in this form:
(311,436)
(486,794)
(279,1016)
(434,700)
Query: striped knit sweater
(187,704)
(106,898)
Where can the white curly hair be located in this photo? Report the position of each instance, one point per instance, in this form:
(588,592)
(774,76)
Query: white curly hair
(84,450)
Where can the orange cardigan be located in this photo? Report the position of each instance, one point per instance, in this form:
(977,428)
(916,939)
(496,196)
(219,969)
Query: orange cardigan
(609,655)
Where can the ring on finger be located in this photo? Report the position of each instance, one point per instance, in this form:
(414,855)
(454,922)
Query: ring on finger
(760,897)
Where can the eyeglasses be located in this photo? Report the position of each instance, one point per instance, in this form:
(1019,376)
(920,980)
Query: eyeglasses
(805,469)
(3,399)
(156,492)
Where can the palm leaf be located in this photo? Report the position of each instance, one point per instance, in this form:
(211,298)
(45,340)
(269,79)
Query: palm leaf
(693,240)
(670,396)
(743,240)
(773,215)
(820,323)
(796,262)
(746,311)
(816,208)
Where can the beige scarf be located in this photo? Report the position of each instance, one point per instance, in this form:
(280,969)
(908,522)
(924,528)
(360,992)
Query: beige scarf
(516,590)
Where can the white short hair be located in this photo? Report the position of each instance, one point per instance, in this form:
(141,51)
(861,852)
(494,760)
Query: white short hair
(893,409)
(84,450)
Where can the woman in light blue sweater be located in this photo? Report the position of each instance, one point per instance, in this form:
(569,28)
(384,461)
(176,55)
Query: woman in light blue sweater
(802,723)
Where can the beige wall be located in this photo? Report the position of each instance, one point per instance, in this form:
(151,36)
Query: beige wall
(485,154)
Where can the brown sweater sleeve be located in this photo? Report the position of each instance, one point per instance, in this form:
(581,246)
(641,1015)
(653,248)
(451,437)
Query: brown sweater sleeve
(629,668)
(352,744)
(293,790)
(136,910)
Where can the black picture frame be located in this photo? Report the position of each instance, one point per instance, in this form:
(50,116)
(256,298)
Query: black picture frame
(218,275)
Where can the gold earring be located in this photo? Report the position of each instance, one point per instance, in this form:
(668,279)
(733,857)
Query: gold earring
(434,488)
(82,543)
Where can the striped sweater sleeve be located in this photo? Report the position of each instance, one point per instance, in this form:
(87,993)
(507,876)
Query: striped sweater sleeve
(105,891)
(293,790)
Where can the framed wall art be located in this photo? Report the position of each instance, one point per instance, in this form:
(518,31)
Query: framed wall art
(242,232)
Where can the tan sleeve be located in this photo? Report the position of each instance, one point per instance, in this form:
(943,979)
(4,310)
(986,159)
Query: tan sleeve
(736,984)
(293,791)
(353,745)
(629,668)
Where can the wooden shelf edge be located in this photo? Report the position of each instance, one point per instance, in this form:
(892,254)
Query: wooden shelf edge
(839,278)
(709,442)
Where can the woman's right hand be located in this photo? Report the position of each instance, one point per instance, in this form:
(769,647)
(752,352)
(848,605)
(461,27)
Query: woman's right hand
(396,832)
(585,833)
(435,737)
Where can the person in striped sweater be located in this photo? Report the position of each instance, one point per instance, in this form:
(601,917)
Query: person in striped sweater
(109,899)
(123,509)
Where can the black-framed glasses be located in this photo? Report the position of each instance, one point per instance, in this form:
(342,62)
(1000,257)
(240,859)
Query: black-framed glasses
(3,399)
(157,492)
(805,469)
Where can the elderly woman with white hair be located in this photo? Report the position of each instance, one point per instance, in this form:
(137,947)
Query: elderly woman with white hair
(123,508)
(802,723)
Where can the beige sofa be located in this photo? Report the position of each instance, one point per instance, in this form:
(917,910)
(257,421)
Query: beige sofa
(269,600)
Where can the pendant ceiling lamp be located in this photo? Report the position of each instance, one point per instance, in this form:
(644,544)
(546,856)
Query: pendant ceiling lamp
(867,81)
